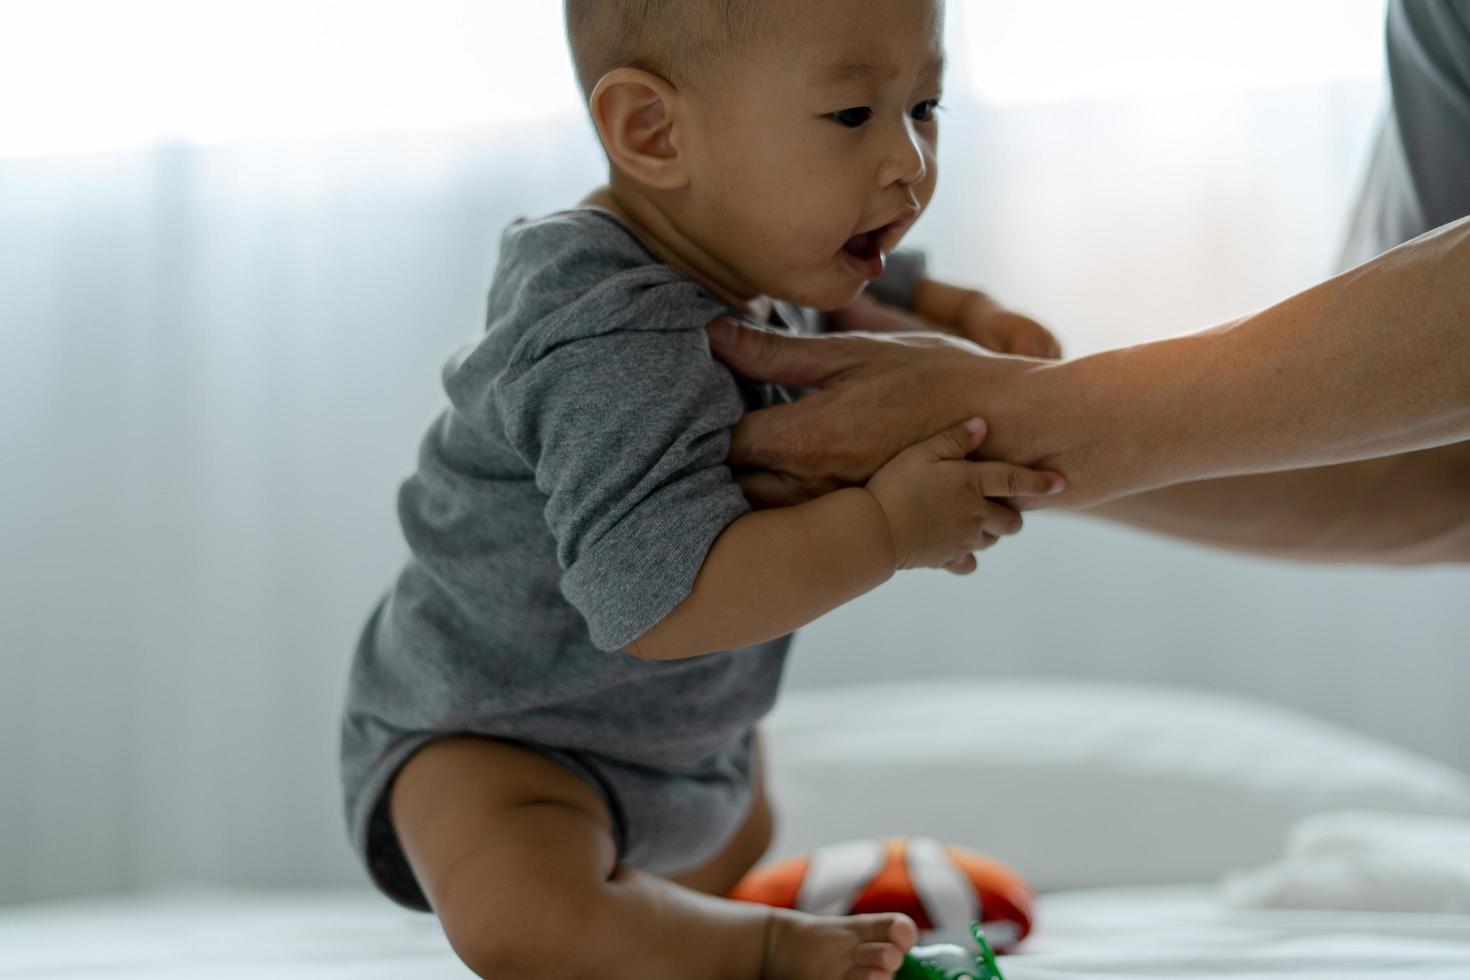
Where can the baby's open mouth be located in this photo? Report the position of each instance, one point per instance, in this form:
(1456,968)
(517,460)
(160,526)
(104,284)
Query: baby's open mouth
(864,252)
(865,246)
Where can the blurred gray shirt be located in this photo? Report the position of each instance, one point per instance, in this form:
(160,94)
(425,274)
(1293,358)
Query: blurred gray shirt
(1419,176)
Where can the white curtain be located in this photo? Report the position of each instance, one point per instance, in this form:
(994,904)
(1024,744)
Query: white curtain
(218,359)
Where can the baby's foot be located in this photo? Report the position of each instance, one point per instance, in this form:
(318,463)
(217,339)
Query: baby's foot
(854,947)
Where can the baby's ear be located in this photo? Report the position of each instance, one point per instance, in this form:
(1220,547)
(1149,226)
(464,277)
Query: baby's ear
(633,111)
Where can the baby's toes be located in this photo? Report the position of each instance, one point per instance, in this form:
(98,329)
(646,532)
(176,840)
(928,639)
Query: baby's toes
(881,956)
(867,973)
(887,927)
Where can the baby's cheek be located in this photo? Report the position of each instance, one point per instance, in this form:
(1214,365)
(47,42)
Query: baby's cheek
(797,256)
(797,245)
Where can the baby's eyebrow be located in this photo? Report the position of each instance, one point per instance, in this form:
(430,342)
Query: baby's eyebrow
(851,70)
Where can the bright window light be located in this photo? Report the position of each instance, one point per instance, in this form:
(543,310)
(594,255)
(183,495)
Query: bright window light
(99,74)
(1066,50)
(87,75)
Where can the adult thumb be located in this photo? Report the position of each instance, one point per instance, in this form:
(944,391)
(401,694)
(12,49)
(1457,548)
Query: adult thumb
(957,441)
(769,355)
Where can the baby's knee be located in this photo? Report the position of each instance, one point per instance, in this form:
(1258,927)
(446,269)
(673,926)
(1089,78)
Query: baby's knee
(500,946)
(514,923)
(494,959)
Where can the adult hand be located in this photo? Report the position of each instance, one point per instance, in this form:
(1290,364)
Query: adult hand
(875,395)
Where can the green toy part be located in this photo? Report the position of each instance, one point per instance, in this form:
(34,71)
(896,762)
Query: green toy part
(948,962)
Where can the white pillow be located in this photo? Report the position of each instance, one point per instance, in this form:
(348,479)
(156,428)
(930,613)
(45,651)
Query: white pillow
(1078,784)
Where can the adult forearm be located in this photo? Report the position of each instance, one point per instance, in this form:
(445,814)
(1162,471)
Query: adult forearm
(1412,508)
(1373,362)
(773,571)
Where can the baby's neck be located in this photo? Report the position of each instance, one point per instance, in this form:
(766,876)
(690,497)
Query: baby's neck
(661,235)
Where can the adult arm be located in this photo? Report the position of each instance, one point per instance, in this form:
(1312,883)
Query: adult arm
(1406,509)
(1373,362)
(1410,508)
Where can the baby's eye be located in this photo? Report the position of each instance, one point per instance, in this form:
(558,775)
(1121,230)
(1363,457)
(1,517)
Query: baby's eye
(852,118)
(924,111)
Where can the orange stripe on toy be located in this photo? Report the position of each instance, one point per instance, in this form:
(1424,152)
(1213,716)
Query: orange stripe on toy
(1003,895)
(777,885)
(891,890)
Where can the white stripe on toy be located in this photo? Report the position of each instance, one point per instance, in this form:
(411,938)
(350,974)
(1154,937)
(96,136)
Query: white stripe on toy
(837,875)
(945,891)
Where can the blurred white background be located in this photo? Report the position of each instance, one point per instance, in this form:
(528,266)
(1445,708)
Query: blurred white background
(238,240)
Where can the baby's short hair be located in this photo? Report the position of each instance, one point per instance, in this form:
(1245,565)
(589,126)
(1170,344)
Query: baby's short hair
(678,40)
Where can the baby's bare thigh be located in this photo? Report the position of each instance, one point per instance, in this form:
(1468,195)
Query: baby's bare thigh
(488,827)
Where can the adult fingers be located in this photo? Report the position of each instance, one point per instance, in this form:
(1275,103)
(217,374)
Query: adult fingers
(763,489)
(771,438)
(769,355)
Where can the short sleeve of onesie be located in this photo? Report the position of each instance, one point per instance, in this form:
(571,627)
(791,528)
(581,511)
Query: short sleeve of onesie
(618,406)
(627,433)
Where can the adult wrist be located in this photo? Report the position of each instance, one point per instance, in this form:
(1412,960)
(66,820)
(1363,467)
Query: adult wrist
(1140,417)
(1075,417)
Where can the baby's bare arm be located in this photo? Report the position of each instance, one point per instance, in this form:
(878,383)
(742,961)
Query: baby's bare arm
(772,571)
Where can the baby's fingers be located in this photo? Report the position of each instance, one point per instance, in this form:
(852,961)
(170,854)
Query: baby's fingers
(962,566)
(996,521)
(1038,342)
(1008,480)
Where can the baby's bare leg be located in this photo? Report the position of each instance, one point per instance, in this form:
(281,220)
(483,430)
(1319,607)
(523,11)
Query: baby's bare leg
(516,856)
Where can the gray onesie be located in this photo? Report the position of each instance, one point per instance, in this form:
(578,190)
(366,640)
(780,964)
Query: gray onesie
(562,505)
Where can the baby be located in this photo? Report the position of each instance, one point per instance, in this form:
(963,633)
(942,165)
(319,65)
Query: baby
(549,735)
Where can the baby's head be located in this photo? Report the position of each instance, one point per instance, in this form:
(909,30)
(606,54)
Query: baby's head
(778,146)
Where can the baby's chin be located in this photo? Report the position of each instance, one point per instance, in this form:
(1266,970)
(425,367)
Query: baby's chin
(827,293)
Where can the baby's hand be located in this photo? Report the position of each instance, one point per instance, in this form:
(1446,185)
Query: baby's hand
(954,310)
(937,501)
(992,326)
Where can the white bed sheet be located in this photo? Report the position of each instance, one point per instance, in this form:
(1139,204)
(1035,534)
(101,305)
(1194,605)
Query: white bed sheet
(1153,933)
(1183,932)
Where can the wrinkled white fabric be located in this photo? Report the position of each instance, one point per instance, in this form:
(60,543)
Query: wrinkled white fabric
(1364,861)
